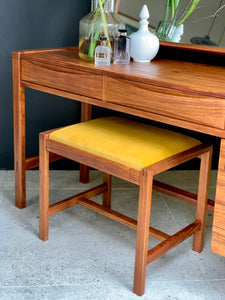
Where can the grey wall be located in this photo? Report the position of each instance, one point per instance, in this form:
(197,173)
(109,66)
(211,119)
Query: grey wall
(29,24)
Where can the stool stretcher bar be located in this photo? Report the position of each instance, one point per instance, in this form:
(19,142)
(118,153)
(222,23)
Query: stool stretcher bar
(83,199)
(179,194)
(172,241)
(114,215)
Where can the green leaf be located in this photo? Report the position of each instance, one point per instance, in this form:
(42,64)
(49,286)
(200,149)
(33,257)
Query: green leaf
(104,23)
(173,7)
(96,35)
(165,19)
(191,9)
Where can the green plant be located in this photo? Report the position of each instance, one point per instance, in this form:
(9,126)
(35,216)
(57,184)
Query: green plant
(176,13)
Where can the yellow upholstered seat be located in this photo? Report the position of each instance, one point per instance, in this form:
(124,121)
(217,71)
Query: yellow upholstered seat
(123,141)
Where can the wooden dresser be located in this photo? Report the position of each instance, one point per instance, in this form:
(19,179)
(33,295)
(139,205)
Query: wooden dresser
(182,93)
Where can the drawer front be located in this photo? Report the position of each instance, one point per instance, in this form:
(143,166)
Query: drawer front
(78,82)
(171,103)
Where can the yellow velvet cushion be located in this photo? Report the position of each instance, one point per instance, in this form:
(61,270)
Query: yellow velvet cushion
(127,142)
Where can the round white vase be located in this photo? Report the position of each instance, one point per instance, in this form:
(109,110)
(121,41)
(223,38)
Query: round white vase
(144,44)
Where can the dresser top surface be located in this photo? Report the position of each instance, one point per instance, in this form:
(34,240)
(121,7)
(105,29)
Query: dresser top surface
(180,75)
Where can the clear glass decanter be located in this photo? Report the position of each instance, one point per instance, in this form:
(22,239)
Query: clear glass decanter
(101,21)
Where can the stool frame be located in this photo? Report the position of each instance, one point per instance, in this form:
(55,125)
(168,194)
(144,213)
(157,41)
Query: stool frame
(143,178)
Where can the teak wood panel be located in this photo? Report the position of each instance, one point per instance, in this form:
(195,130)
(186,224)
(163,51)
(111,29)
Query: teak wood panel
(169,102)
(218,233)
(103,164)
(79,82)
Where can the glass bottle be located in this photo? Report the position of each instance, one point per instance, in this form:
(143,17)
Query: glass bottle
(165,31)
(102,53)
(122,48)
(101,21)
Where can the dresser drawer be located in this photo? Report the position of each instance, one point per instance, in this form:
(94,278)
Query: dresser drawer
(167,102)
(82,83)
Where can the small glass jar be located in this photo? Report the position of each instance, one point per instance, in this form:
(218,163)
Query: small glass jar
(101,21)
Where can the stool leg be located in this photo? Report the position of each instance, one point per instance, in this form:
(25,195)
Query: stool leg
(202,198)
(107,178)
(44,189)
(144,208)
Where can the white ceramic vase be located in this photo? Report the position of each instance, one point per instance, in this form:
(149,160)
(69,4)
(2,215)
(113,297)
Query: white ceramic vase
(144,44)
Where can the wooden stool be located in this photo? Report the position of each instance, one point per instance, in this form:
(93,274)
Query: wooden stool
(134,152)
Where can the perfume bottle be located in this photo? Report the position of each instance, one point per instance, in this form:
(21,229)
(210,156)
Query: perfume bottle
(102,53)
(122,48)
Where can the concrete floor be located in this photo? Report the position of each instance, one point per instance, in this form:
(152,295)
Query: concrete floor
(89,256)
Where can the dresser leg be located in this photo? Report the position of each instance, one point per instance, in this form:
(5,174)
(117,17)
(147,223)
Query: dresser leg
(85,116)
(19,134)
(218,230)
